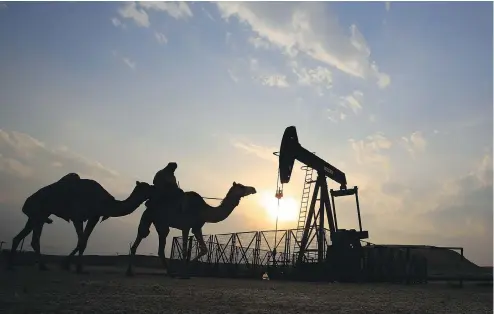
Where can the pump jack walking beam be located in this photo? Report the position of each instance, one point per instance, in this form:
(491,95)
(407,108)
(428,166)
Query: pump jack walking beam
(291,150)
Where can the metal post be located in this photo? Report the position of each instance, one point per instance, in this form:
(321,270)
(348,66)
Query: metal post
(320,231)
(358,208)
(461,272)
(334,210)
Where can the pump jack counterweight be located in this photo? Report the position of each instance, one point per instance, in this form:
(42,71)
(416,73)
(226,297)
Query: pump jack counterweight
(342,240)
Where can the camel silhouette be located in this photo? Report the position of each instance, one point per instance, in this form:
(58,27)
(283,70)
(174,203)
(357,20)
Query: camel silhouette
(192,212)
(78,200)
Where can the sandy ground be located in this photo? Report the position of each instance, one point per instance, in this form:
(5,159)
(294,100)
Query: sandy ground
(109,291)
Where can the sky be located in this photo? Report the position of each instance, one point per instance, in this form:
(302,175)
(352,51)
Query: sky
(396,95)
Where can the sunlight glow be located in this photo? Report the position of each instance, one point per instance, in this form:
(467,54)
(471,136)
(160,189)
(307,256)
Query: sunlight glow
(288,209)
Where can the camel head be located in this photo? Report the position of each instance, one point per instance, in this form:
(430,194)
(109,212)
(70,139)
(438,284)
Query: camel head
(239,190)
(142,191)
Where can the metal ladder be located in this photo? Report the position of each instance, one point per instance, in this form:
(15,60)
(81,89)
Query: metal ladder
(304,204)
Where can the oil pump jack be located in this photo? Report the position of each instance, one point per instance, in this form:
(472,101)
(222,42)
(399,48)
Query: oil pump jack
(345,244)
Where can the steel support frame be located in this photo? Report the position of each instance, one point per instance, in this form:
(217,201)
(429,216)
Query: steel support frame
(315,220)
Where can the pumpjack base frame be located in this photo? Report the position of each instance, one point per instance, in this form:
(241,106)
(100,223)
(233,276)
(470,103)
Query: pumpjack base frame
(249,255)
(342,240)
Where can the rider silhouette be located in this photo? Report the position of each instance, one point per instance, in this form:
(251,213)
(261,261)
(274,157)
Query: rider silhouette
(166,184)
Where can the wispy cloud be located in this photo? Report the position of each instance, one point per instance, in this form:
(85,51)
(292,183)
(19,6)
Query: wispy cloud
(177,10)
(117,23)
(262,152)
(309,28)
(371,149)
(160,38)
(274,81)
(415,143)
(131,64)
(353,101)
(130,11)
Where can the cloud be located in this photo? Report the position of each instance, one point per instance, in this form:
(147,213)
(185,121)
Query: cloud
(130,11)
(483,171)
(453,212)
(387,6)
(131,64)
(370,150)
(353,101)
(462,213)
(14,167)
(258,42)
(335,115)
(177,10)
(274,81)
(262,152)
(265,75)
(206,12)
(414,144)
(232,76)
(160,38)
(319,77)
(27,164)
(117,23)
(310,29)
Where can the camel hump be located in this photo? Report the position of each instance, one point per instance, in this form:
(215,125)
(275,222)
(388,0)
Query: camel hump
(95,189)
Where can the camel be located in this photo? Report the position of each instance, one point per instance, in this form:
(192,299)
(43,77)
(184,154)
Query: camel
(193,214)
(77,200)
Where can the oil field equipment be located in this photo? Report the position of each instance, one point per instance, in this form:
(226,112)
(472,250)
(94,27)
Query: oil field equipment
(343,257)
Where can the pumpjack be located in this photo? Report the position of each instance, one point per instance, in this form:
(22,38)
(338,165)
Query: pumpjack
(342,257)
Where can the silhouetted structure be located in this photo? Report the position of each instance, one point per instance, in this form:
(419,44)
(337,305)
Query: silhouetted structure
(250,254)
(342,257)
(77,200)
(312,251)
(193,216)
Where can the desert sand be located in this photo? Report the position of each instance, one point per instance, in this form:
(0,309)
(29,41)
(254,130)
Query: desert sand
(107,290)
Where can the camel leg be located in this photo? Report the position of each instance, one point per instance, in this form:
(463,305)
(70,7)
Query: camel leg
(142,232)
(162,234)
(79,229)
(185,239)
(15,243)
(82,244)
(204,248)
(35,244)
(132,253)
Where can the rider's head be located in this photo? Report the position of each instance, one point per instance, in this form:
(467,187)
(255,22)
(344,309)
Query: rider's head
(172,166)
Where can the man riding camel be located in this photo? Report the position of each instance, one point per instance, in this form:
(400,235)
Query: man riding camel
(166,184)
(168,193)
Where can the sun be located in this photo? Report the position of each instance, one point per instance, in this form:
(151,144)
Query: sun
(287,211)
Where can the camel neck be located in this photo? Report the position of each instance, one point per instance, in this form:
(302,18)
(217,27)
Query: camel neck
(224,210)
(124,207)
